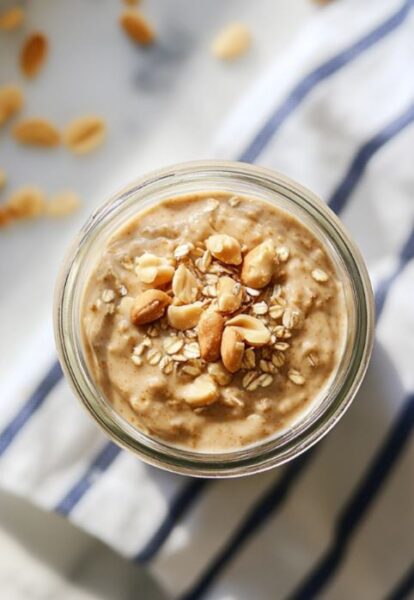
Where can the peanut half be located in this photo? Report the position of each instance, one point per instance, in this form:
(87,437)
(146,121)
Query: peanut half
(231,42)
(137,27)
(5,216)
(149,306)
(252,330)
(203,391)
(210,329)
(11,101)
(62,204)
(3,178)
(84,134)
(33,55)
(232,349)
(225,248)
(36,132)
(229,295)
(26,203)
(185,317)
(259,265)
(11,18)
(154,270)
(184,285)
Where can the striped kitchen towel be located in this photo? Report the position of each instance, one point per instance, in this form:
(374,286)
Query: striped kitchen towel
(337,114)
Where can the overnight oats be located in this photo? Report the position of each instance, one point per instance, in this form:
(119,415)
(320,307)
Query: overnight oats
(215,323)
(211,320)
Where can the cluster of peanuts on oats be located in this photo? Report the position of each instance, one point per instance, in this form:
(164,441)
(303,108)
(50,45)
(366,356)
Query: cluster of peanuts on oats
(218,309)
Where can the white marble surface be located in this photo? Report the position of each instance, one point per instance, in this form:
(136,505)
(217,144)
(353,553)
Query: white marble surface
(163,105)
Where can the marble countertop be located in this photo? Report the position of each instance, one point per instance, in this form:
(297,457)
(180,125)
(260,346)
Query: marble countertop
(163,105)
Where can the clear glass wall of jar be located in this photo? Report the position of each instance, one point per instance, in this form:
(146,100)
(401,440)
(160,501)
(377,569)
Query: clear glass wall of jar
(237,178)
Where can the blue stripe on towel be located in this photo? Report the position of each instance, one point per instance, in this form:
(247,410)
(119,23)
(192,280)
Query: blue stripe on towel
(330,67)
(185,498)
(273,499)
(362,158)
(30,407)
(256,517)
(404,588)
(406,255)
(103,460)
(356,508)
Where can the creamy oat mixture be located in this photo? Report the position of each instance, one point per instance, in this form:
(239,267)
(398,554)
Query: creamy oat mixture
(211,321)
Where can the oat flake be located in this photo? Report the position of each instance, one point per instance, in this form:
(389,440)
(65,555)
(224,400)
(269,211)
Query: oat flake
(108,295)
(319,275)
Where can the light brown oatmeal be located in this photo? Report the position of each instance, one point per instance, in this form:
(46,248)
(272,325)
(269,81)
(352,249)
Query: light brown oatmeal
(11,18)
(36,132)
(137,27)
(34,54)
(84,134)
(230,324)
(11,101)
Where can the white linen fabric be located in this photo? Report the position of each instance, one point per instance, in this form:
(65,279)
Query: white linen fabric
(336,113)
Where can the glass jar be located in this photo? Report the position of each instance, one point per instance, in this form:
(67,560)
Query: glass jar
(236,178)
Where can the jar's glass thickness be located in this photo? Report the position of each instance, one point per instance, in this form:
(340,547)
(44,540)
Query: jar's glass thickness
(238,179)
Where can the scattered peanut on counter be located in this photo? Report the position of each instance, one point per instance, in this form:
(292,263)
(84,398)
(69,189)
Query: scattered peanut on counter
(33,55)
(84,134)
(11,102)
(137,27)
(233,41)
(11,18)
(36,132)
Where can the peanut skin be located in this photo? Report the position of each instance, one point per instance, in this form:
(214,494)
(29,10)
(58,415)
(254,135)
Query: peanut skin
(259,265)
(149,306)
(232,349)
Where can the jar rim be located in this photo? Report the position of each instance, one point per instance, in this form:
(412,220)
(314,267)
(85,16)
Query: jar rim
(266,453)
